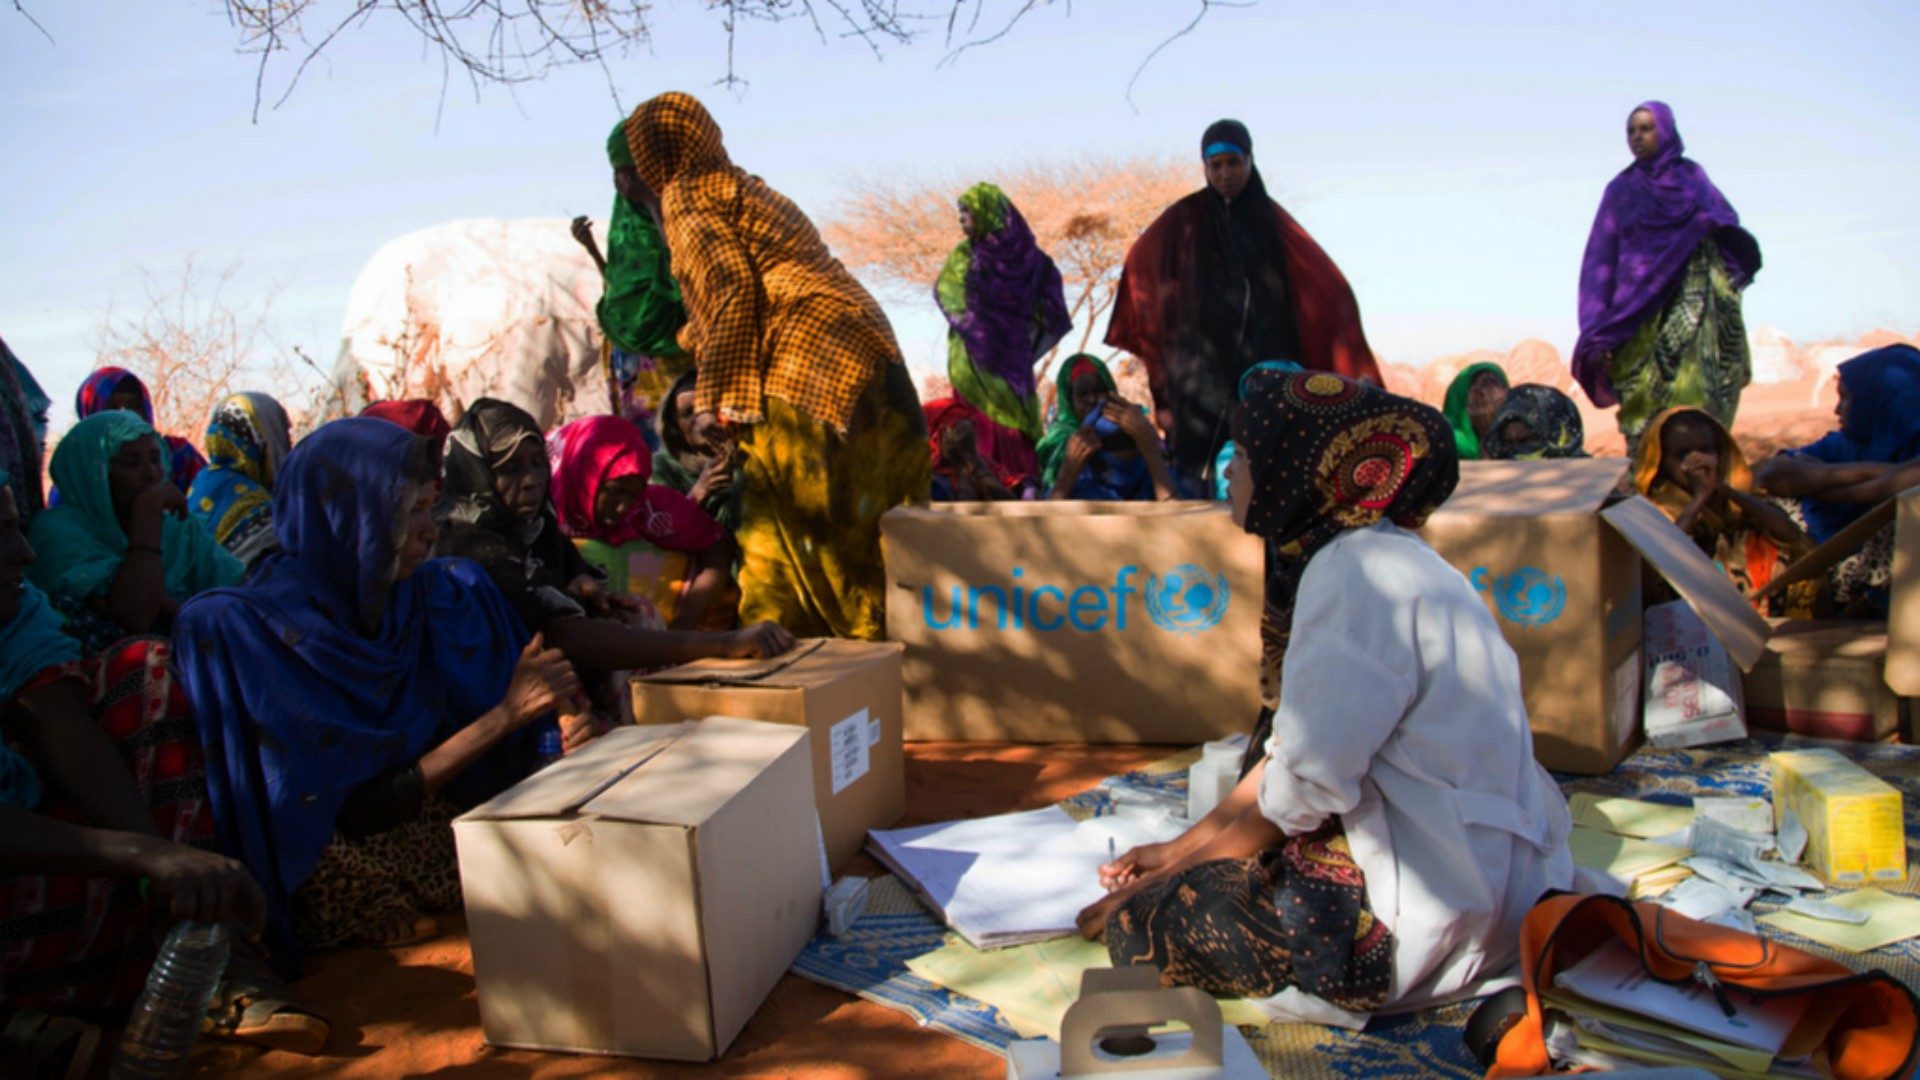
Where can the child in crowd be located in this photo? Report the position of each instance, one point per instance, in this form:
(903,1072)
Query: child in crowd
(696,461)
(1100,446)
(1689,466)
(970,463)
(1534,423)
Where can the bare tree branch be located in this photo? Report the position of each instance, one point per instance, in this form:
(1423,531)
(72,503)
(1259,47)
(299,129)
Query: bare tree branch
(31,21)
(1205,7)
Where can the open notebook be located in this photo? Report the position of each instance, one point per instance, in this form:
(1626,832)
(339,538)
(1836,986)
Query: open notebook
(1013,878)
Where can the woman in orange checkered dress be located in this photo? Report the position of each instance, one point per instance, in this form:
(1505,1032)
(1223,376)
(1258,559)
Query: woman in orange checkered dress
(798,369)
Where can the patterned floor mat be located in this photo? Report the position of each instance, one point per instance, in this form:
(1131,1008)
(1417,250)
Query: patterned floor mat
(870,960)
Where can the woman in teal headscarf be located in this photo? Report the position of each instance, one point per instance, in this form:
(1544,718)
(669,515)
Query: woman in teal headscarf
(118,556)
(1006,309)
(232,497)
(640,312)
(1100,446)
(1472,398)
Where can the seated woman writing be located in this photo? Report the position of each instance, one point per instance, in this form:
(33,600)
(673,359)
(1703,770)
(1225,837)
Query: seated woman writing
(497,480)
(354,694)
(1394,828)
(118,556)
(1100,445)
(1690,467)
(102,785)
(602,490)
(1534,423)
(1873,456)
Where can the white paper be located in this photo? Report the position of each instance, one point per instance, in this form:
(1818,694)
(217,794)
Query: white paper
(1718,840)
(1698,898)
(1792,838)
(849,742)
(1747,815)
(1013,878)
(1829,912)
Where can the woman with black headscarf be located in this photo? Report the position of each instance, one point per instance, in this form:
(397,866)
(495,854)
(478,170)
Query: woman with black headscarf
(1222,280)
(1393,828)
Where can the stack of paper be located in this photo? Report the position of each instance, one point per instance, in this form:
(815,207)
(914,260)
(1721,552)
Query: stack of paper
(1609,1008)
(1641,868)
(1013,878)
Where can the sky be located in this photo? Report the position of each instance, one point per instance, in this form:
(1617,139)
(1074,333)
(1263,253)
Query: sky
(1448,156)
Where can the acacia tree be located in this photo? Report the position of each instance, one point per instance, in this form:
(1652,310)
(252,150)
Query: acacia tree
(1086,214)
(191,347)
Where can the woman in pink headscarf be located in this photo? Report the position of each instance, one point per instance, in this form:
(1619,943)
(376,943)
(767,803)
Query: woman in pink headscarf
(1660,286)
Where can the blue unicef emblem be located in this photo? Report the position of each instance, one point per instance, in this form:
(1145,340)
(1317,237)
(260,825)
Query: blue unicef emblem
(1187,599)
(1529,596)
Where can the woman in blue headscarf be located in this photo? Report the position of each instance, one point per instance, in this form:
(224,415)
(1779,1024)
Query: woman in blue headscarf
(1873,456)
(354,693)
(117,555)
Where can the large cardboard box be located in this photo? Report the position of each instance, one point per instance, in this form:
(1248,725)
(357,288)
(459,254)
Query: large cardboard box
(1825,678)
(1075,621)
(847,693)
(643,895)
(1561,571)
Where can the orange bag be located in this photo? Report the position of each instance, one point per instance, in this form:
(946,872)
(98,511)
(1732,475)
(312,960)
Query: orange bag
(1875,1037)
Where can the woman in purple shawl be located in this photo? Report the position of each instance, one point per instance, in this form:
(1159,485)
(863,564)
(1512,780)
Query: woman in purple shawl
(1660,285)
(1005,308)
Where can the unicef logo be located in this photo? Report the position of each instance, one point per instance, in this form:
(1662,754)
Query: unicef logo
(1528,596)
(1187,599)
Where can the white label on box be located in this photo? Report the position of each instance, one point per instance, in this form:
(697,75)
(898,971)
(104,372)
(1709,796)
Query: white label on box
(873,732)
(849,740)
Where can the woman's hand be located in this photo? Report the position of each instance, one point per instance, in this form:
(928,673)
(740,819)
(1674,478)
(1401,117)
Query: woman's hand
(201,885)
(1132,421)
(161,498)
(583,232)
(760,640)
(1080,449)
(1138,864)
(577,729)
(543,681)
(716,478)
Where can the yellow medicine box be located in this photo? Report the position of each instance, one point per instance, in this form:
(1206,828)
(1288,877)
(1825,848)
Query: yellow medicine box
(1855,828)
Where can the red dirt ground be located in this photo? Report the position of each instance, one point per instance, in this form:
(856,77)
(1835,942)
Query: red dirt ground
(412,1013)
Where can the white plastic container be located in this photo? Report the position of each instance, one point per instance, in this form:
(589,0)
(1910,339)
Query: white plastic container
(1213,776)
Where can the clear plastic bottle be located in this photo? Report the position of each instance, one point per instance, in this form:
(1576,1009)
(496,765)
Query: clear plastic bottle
(167,1018)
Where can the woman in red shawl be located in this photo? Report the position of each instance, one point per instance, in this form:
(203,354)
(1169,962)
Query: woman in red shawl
(1222,280)
(974,459)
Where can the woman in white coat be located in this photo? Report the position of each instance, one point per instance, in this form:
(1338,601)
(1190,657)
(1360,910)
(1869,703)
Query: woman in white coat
(1385,848)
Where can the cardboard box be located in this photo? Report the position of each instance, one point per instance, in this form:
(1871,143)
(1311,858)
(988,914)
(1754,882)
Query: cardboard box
(643,895)
(1563,578)
(1693,687)
(1825,678)
(1856,833)
(1075,621)
(847,693)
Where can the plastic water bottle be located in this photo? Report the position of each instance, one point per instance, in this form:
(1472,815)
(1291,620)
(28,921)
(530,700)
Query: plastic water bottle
(551,748)
(167,1018)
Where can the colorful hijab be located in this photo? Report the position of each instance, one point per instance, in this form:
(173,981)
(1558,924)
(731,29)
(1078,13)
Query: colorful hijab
(80,541)
(99,388)
(640,311)
(418,415)
(540,561)
(1006,309)
(770,311)
(1005,451)
(593,450)
(1053,445)
(1459,407)
(1325,455)
(1550,415)
(232,497)
(1651,218)
(1883,424)
(23,431)
(323,672)
(1213,287)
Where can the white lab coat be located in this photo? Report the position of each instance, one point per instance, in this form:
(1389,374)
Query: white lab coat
(1400,711)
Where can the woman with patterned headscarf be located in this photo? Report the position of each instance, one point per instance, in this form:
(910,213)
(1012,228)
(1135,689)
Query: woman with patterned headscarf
(799,370)
(1660,285)
(1393,828)
(118,388)
(1223,279)
(1005,309)
(640,312)
(233,496)
(1534,423)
